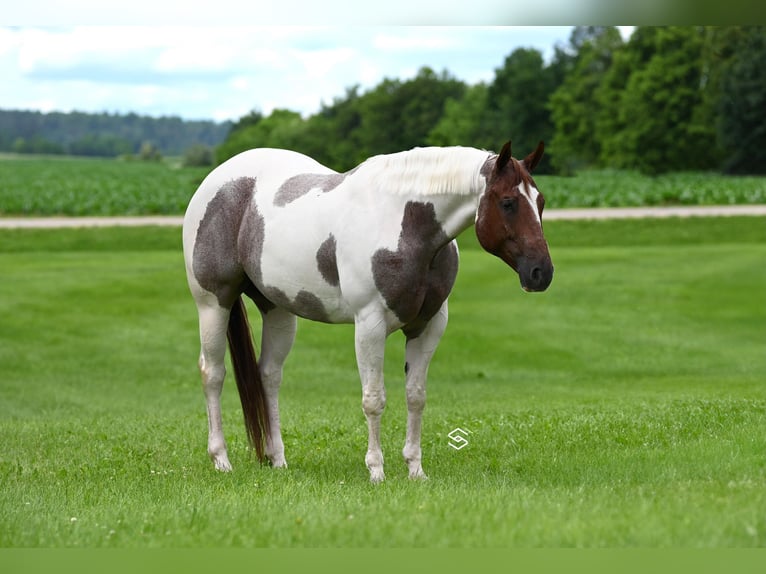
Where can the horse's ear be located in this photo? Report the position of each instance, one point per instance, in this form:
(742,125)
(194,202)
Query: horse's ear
(531,161)
(504,157)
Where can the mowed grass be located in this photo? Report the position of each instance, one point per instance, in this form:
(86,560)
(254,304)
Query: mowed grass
(623,407)
(78,186)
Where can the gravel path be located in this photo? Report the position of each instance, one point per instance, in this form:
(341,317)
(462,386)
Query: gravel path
(58,222)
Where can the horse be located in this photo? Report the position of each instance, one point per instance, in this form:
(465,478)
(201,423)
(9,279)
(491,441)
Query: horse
(374,246)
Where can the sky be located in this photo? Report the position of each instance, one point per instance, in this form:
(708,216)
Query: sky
(222,72)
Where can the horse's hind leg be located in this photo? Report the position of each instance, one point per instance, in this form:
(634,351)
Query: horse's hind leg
(419,351)
(277,339)
(213,322)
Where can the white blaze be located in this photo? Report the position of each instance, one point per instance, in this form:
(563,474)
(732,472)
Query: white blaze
(531,194)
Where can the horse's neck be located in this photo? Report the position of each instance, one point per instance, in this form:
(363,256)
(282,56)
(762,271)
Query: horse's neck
(449,178)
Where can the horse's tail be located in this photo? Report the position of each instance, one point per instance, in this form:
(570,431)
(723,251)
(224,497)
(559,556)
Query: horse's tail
(249,384)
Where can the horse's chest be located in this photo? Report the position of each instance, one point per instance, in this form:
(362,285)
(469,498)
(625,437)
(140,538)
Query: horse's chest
(415,284)
(416,277)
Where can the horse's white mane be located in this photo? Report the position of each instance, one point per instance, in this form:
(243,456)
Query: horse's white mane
(426,170)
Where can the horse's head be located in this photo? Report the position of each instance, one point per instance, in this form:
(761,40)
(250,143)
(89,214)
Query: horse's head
(509,218)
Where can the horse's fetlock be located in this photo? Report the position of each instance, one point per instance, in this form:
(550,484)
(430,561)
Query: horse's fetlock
(412,454)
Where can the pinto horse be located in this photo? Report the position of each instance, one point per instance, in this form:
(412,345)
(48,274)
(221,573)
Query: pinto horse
(374,246)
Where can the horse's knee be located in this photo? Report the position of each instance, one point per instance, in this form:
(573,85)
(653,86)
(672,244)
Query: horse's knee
(271,376)
(416,398)
(373,402)
(212,375)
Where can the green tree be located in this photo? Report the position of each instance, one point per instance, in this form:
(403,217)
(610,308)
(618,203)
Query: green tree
(36,144)
(281,129)
(517,103)
(740,54)
(574,111)
(332,136)
(100,145)
(198,155)
(397,115)
(466,121)
(662,107)
(612,117)
(149,152)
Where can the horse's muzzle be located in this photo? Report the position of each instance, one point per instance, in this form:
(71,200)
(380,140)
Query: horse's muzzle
(536,275)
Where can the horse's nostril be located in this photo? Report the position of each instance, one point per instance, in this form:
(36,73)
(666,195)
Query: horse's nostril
(537,275)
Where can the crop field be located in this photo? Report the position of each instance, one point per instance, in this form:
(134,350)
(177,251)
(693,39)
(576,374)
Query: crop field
(624,407)
(81,186)
(77,186)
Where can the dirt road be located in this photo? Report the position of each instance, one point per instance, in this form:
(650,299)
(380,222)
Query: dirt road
(550,215)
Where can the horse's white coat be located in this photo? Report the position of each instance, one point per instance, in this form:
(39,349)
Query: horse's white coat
(364,215)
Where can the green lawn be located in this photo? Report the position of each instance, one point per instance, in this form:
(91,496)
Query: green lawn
(623,407)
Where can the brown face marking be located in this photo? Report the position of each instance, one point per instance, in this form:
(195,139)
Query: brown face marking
(215,262)
(422,265)
(299,185)
(327,262)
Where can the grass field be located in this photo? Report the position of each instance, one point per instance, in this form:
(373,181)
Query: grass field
(78,186)
(624,407)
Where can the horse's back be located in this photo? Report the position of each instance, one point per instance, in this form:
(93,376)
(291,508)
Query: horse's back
(268,166)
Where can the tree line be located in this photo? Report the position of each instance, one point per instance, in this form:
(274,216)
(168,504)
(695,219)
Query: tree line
(666,99)
(105,135)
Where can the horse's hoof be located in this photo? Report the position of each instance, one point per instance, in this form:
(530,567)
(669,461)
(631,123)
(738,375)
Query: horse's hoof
(278,463)
(377,476)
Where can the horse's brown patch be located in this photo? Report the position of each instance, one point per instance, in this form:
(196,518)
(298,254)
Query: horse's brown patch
(229,242)
(215,262)
(305,304)
(439,281)
(416,278)
(310,306)
(327,262)
(299,185)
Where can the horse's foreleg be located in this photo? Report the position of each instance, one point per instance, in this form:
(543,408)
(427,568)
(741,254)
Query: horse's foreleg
(213,322)
(370,344)
(419,351)
(279,328)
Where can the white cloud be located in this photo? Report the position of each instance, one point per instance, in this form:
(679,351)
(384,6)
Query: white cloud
(194,57)
(419,38)
(241,83)
(369,73)
(224,72)
(9,41)
(319,63)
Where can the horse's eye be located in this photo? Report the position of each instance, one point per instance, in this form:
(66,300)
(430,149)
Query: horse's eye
(509,204)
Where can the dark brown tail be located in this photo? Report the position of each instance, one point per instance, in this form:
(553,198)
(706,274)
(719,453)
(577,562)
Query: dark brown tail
(248,377)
